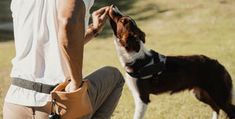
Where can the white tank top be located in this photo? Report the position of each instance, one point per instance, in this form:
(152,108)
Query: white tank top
(38,56)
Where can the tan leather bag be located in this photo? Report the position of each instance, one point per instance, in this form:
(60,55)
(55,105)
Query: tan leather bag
(71,105)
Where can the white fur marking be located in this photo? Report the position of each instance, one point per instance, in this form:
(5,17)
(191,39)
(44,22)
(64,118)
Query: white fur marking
(140,107)
(214,115)
(126,57)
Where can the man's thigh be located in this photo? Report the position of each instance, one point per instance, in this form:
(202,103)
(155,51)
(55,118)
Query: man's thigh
(101,84)
(13,111)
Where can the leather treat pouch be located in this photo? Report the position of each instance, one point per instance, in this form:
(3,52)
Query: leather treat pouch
(71,105)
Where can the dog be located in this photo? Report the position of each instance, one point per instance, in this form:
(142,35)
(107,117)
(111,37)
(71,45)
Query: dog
(148,72)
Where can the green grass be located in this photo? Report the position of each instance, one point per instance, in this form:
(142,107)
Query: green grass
(181,27)
(5,13)
(6,53)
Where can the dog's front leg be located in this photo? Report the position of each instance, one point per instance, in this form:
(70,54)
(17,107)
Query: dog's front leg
(140,106)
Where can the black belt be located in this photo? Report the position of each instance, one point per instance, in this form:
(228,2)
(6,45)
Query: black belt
(35,86)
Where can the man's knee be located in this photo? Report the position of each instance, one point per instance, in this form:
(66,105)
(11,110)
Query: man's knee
(117,74)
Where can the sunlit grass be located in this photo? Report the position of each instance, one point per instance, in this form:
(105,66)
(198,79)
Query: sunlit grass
(180,27)
(6,53)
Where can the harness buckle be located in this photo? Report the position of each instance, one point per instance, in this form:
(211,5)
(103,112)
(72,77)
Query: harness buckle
(155,77)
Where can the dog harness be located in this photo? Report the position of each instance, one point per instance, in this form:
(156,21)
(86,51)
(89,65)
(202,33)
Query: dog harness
(151,66)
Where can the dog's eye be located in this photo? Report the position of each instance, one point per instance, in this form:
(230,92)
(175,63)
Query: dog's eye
(124,21)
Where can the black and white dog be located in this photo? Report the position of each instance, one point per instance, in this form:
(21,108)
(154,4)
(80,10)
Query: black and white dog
(149,72)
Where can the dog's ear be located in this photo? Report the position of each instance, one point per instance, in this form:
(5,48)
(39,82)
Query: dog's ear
(141,35)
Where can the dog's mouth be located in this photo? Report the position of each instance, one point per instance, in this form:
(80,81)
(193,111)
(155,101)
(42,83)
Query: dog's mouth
(114,16)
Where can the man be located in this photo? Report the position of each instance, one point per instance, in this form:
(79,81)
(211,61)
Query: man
(49,40)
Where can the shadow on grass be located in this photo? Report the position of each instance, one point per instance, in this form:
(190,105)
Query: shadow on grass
(5,17)
(5,13)
(6,36)
(144,12)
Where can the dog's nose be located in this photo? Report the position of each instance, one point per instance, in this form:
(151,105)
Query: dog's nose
(113,7)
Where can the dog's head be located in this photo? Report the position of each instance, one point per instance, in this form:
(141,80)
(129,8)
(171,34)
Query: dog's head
(126,30)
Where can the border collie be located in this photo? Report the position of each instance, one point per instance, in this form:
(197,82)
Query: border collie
(148,72)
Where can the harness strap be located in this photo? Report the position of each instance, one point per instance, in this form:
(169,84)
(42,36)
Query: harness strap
(141,71)
(35,86)
(140,62)
(148,70)
(152,69)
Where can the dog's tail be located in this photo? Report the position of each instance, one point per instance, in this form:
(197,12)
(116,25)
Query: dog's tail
(229,87)
(227,102)
(230,108)
(233,96)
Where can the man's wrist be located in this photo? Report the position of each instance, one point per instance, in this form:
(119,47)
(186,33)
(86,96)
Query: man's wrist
(94,30)
(77,83)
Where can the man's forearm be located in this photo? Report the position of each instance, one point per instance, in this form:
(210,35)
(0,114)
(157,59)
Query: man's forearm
(90,33)
(71,36)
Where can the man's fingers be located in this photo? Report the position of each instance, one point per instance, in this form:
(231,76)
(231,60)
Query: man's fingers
(103,16)
(100,11)
(99,17)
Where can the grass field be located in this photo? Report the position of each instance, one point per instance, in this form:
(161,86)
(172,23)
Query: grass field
(181,27)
